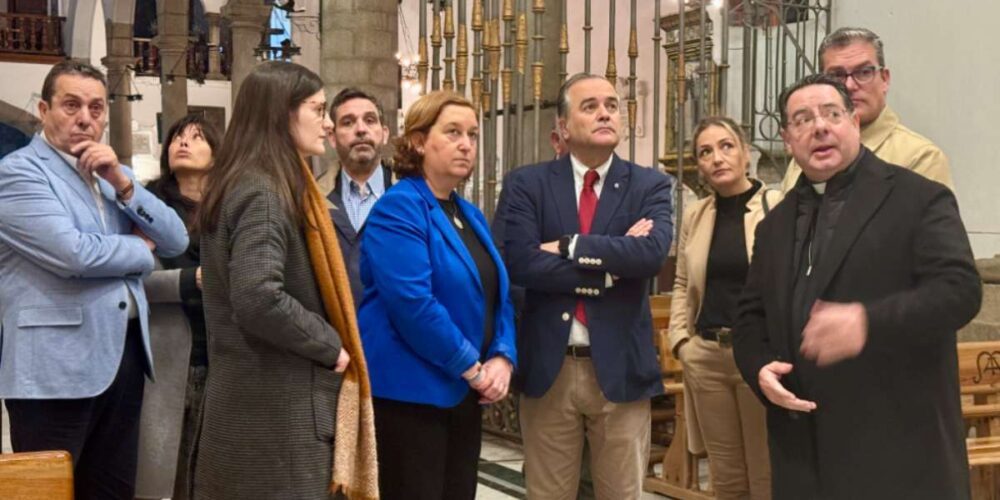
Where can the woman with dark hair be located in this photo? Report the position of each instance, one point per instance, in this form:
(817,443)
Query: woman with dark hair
(171,407)
(285,383)
(714,248)
(436,321)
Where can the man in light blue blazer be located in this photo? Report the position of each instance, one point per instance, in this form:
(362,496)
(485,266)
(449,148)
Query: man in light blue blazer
(77,234)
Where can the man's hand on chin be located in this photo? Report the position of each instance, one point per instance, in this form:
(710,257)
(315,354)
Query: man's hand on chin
(94,157)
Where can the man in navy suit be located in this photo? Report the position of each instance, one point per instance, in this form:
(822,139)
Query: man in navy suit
(359,133)
(77,234)
(584,235)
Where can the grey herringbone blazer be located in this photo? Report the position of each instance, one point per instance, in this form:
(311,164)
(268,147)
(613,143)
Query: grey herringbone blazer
(271,393)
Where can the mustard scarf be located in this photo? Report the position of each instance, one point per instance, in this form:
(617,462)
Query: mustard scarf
(355,465)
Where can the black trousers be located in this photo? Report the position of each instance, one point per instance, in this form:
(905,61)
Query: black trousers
(101,433)
(426,452)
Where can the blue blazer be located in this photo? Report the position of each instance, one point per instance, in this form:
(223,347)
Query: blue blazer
(422,315)
(65,277)
(541,207)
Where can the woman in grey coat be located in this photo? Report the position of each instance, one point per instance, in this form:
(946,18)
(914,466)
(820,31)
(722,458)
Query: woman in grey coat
(171,406)
(276,362)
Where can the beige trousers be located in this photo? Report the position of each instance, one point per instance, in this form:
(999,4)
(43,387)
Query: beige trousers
(555,425)
(731,420)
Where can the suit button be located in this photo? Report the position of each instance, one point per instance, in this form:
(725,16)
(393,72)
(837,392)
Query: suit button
(122,305)
(565,316)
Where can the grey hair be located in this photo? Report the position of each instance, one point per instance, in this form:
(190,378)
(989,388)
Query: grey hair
(562,104)
(848,35)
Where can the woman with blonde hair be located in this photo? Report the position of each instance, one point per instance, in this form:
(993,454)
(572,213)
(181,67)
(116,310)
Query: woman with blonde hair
(713,257)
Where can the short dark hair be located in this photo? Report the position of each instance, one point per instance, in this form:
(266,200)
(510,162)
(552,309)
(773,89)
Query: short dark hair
(562,103)
(354,93)
(70,67)
(848,35)
(817,79)
(197,120)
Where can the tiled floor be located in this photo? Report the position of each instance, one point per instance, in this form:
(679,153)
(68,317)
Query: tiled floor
(499,472)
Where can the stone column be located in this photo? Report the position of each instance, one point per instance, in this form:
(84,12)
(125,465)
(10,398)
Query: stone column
(119,87)
(214,41)
(305,33)
(360,40)
(172,42)
(248,20)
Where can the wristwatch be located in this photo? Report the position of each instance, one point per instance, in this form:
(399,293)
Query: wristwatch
(564,245)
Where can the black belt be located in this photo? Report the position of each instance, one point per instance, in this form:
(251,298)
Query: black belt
(723,335)
(578,351)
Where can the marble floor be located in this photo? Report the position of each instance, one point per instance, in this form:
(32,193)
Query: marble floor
(500,472)
(499,469)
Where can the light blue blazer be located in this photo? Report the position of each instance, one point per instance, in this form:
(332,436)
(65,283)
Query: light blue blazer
(65,277)
(423,310)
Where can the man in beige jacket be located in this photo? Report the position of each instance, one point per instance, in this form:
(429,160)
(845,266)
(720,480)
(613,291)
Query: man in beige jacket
(855,56)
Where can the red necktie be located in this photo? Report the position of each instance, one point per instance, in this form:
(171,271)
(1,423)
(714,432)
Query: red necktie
(588,205)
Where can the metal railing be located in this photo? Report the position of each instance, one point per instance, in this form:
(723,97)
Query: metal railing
(147,59)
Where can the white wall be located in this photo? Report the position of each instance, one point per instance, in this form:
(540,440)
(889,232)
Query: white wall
(25,90)
(945,86)
(146,160)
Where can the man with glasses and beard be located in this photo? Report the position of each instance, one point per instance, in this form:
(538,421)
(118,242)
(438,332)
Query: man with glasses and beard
(855,56)
(359,133)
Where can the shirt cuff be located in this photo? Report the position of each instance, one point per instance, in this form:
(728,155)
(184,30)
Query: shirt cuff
(572,247)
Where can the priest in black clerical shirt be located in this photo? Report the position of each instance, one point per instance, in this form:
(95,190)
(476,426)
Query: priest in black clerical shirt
(846,330)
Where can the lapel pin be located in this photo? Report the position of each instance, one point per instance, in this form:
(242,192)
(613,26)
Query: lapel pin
(616,185)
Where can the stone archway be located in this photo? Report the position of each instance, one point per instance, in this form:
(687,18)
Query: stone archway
(19,119)
(16,127)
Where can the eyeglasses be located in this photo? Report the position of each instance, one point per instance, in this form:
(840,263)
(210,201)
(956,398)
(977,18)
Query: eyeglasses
(860,75)
(805,121)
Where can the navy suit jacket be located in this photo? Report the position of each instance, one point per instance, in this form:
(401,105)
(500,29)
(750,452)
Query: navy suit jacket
(422,316)
(541,207)
(349,239)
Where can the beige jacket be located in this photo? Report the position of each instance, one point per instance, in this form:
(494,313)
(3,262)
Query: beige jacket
(689,282)
(896,144)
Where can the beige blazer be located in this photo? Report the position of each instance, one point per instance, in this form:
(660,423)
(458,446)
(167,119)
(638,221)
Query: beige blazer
(689,282)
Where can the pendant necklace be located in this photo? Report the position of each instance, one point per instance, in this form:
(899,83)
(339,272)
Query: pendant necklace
(454,214)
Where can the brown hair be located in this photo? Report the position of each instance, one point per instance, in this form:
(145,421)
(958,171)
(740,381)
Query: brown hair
(259,139)
(422,115)
(718,121)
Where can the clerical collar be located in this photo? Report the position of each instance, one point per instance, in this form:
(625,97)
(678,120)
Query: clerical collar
(839,180)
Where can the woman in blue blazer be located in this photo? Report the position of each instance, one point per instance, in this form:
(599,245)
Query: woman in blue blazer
(436,322)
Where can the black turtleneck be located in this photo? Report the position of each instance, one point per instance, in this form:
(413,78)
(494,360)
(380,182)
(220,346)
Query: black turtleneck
(728,262)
